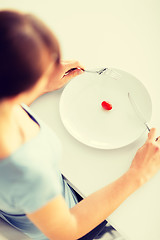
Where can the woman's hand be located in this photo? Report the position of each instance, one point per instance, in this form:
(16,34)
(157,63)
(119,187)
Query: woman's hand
(146,162)
(62,74)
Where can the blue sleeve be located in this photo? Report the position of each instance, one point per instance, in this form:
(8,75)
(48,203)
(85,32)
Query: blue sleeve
(35,189)
(30,177)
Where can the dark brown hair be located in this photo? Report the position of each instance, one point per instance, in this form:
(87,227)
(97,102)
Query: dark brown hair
(25,43)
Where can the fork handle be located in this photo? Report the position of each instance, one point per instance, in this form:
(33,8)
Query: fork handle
(98,71)
(90,71)
(148,128)
(72,69)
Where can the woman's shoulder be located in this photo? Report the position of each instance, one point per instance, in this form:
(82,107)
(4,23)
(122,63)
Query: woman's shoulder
(42,148)
(14,136)
(27,177)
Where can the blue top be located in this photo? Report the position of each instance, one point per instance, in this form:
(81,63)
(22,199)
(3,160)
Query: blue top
(30,178)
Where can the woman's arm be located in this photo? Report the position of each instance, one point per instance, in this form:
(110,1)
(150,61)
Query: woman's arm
(54,78)
(61,75)
(59,222)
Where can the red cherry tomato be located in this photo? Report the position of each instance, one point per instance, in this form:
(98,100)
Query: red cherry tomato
(106,105)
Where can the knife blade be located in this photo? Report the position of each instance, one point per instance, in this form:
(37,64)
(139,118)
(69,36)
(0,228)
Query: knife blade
(138,111)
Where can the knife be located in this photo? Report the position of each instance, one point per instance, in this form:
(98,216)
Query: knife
(138,111)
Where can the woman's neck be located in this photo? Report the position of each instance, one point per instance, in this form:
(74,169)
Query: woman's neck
(10,132)
(7,116)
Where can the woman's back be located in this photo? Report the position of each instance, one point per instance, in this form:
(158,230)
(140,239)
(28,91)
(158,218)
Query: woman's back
(30,177)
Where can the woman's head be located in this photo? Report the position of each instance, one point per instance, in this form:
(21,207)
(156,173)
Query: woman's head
(27,47)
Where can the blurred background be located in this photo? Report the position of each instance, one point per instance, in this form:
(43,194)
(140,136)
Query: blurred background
(124,34)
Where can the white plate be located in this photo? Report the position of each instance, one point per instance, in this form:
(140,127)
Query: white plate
(85,119)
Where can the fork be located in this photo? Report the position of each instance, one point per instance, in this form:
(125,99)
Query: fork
(138,112)
(110,72)
(89,71)
(98,71)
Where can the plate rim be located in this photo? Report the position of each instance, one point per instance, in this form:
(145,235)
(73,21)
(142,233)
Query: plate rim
(110,147)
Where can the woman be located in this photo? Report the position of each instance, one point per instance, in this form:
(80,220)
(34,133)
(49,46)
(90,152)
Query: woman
(34,197)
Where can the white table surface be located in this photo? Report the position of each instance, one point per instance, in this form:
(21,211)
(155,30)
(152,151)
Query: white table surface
(122,34)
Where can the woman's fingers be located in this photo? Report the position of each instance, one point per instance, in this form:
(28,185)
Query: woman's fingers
(71,64)
(67,77)
(147,159)
(73,71)
(70,70)
(66,71)
(152,135)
